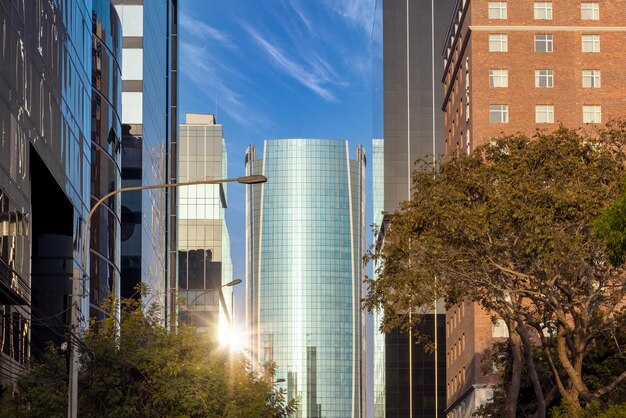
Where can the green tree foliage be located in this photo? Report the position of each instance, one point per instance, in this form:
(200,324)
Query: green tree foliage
(511,227)
(139,369)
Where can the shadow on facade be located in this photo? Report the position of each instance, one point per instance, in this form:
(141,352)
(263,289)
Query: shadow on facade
(52,216)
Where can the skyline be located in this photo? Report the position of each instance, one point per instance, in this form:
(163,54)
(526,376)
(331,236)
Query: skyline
(296,70)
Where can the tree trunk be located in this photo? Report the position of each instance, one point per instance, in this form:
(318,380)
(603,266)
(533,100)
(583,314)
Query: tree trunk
(512,394)
(532,371)
(578,388)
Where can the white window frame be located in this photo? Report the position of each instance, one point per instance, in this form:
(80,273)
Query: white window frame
(499,110)
(590,11)
(592,114)
(498,78)
(590,43)
(544,76)
(497,10)
(592,79)
(499,329)
(498,42)
(544,113)
(543,10)
(547,40)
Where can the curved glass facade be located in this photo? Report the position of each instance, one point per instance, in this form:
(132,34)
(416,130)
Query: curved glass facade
(305,239)
(45,159)
(106,83)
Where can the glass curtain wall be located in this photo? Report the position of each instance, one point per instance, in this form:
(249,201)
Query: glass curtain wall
(305,239)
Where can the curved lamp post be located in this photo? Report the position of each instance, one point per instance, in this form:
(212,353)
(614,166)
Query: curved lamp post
(72,409)
(222,301)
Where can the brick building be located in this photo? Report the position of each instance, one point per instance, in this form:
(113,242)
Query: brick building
(521,66)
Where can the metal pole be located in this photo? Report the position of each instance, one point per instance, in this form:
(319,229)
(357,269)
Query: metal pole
(76,315)
(408,140)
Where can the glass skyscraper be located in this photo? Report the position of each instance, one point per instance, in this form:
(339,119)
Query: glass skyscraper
(305,241)
(148,112)
(204,260)
(59,152)
(378,202)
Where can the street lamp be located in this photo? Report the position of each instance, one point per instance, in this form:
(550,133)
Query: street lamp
(222,301)
(72,409)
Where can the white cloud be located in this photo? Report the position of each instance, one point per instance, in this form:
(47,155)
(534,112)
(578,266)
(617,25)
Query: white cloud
(206,73)
(359,13)
(315,73)
(295,5)
(201,30)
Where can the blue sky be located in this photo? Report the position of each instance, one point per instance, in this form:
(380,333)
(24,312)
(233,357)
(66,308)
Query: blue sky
(280,69)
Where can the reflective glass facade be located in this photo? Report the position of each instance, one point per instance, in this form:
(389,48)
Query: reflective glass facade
(45,160)
(204,260)
(413,34)
(305,241)
(106,133)
(147,103)
(378,196)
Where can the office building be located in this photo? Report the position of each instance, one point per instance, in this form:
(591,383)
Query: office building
(59,150)
(521,66)
(106,134)
(204,261)
(304,276)
(413,32)
(378,196)
(149,115)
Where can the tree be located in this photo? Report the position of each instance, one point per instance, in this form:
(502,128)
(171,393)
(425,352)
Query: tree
(146,371)
(511,227)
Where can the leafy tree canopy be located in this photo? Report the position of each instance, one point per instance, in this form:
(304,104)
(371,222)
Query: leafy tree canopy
(147,371)
(511,227)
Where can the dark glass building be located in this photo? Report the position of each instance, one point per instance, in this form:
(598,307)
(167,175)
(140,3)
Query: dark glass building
(149,116)
(413,34)
(58,152)
(106,132)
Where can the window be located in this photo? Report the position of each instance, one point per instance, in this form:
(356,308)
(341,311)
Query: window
(544,114)
(592,114)
(543,43)
(544,79)
(133,63)
(591,79)
(590,11)
(499,329)
(499,113)
(543,10)
(498,43)
(498,78)
(591,43)
(497,10)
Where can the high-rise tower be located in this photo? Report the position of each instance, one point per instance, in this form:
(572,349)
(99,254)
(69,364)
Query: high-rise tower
(204,261)
(305,239)
(410,382)
(148,114)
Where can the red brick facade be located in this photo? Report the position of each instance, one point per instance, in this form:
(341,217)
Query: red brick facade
(469,96)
